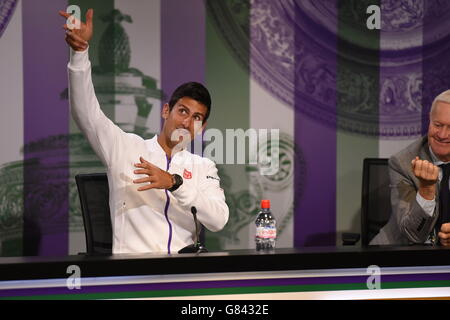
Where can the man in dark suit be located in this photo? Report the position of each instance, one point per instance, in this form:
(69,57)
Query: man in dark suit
(420,190)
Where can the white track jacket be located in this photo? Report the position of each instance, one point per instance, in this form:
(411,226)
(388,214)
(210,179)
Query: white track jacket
(153,220)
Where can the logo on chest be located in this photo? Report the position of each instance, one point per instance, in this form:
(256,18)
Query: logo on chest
(187,174)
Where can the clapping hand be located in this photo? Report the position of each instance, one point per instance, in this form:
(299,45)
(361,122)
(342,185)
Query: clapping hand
(428,174)
(444,234)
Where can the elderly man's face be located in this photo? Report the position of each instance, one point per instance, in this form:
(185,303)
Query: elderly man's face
(439,131)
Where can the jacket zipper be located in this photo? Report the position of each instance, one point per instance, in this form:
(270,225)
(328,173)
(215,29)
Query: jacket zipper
(166,210)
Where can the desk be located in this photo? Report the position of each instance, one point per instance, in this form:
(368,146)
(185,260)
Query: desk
(316,273)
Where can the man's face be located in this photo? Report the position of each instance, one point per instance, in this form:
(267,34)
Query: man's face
(439,131)
(185,113)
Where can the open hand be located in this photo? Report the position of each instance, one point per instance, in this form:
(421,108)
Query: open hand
(79,39)
(158,179)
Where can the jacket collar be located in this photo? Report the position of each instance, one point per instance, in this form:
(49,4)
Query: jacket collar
(154,147)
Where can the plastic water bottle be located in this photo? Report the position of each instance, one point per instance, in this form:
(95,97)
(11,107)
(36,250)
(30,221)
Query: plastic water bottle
(266,228)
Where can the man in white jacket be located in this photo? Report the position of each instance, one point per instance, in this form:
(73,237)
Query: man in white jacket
(153,183)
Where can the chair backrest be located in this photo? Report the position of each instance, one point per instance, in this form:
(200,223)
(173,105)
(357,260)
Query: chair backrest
(376,198)
(94,198)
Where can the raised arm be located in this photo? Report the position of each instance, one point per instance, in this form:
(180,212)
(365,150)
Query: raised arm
(103,135)
(413,220)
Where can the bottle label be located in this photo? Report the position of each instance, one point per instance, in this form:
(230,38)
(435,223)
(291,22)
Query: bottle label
(266,232)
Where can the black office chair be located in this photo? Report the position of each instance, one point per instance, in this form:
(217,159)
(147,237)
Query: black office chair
(376,198)
(375,201)
(93,190)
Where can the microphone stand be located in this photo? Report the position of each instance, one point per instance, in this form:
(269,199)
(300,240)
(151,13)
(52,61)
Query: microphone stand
(196,247)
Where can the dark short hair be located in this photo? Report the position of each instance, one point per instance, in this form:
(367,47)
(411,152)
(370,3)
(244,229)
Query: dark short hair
(193,90)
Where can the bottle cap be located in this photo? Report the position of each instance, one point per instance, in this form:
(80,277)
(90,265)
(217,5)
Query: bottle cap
(265,204)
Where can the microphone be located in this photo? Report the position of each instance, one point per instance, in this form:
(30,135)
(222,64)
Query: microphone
(196,247)
(194,214)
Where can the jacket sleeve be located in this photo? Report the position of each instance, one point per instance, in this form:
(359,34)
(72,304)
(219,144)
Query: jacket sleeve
(208,198)
(100,131)
(413,221)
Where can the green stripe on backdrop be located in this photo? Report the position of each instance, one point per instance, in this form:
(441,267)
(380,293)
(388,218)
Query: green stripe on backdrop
(357,82)
(82,157)
(235,290)
(227,78)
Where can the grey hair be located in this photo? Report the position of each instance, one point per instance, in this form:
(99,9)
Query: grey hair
(442,97)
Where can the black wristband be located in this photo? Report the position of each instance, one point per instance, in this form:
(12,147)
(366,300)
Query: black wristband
(178,182)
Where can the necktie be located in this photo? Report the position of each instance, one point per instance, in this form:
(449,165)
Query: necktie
(444,197)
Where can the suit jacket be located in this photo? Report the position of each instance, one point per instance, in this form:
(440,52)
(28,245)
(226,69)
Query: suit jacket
(409,223)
